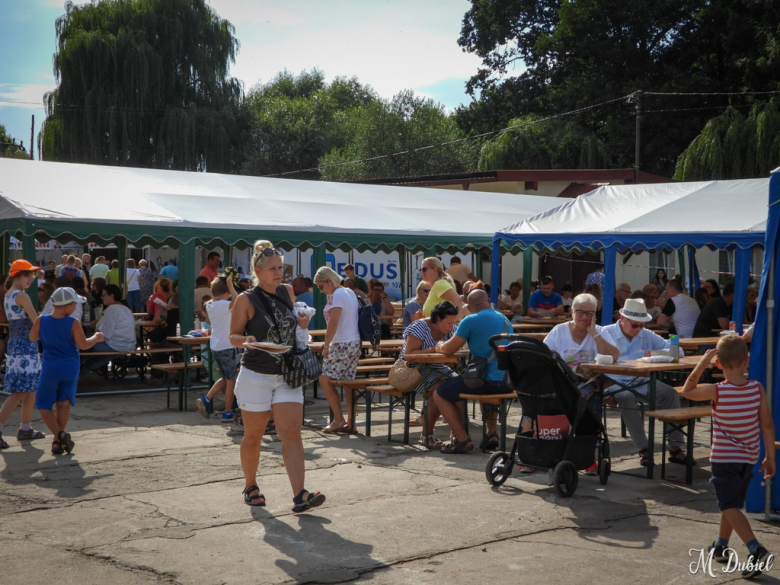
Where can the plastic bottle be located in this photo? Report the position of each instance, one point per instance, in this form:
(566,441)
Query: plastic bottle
(733,326)
(674,348)
(178,329)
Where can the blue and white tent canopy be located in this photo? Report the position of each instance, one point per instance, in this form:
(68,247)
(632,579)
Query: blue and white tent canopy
(717,214)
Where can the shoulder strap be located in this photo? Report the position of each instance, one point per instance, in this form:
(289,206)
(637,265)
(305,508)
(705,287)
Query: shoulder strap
(503,332)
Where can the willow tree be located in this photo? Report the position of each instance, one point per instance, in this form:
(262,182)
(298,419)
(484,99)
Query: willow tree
(143,83)
(734,146)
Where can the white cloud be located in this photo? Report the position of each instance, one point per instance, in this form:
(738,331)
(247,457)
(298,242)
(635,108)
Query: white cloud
(249,11)
(23,96)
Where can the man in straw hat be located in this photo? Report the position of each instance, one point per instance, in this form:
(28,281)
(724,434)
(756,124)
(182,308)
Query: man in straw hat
(634,342)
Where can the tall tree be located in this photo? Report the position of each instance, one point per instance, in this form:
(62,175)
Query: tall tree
(9,147)
(413,129)
(143,83)
(572,54)
(734,146)
(296,119)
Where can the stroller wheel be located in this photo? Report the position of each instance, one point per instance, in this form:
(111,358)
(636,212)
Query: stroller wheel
(604,470)
(499,468)
(565,478)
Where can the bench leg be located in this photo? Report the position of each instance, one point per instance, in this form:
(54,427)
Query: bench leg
(689,454)
(368,398)
(407,414)
(503,414)
(664,432)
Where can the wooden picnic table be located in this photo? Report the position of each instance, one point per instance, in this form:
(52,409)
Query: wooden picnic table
(387,344)
(697,342)
(542,322)
(641,369)
(523,327)
(186,343)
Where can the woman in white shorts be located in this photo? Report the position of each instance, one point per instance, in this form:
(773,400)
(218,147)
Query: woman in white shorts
(341,351)
(264,313)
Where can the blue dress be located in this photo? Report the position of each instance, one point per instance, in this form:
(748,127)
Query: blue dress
(23,362)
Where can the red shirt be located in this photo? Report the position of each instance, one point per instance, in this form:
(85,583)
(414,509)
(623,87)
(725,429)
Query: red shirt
(210,273)
(735,437)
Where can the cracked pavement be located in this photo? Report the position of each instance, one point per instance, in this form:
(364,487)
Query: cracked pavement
(151,495)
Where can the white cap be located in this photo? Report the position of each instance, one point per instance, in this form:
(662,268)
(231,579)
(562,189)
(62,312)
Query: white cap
(65,296)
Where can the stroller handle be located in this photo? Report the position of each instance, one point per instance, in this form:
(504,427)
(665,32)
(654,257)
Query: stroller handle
(509,337)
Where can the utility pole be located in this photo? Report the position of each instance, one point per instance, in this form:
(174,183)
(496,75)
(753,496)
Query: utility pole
(32,133)
(638,145)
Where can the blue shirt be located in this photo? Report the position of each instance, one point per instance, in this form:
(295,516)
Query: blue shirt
(541,302)
(477,329)
(60,351)
(171,272)
(307,298)
(634,349)
(410,309)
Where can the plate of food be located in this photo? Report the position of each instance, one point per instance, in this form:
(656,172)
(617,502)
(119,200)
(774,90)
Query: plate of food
(268,346)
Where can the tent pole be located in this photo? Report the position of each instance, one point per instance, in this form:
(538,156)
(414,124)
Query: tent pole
(681,264)
(121,244)
(6,253)
(478,269)
(608,294)
(495,271)
(741,277)
(692,271)
(528,275)
(186,287)
(28,251)
(226,253)
(318,261)
(402,272)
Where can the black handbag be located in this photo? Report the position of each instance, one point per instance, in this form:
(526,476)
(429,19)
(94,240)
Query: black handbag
(476,370)
(299,366)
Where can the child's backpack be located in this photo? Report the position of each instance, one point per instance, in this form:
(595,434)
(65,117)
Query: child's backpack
(368,323)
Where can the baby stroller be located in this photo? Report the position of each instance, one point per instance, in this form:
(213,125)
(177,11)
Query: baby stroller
(566,433)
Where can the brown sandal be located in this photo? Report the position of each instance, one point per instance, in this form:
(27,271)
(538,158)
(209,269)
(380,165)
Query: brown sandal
(330,429)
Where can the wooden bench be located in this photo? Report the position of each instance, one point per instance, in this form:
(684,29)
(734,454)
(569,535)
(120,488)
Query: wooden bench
(119,371)
(676,419)
(490,403)
(169,369)
(358,389)
(396,397)
(374,361)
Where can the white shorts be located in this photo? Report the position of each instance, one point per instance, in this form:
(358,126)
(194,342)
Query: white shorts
(257,392)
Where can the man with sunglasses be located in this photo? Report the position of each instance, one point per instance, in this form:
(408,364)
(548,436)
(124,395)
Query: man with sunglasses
(634,342)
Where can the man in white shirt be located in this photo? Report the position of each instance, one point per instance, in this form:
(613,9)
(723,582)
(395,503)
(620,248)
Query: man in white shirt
(117,326)
(635,342)
(680,310)
(460,271)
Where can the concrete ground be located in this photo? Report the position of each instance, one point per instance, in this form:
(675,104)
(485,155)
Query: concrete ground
(151,495)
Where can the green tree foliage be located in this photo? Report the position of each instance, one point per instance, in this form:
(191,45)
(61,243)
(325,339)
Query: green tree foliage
(9,147)
(295,120)
(414,127)
(144,83)
(734,146)
(531,144)
(549,56)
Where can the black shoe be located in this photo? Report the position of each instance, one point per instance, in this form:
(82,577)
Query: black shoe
(757,563)
(721,553)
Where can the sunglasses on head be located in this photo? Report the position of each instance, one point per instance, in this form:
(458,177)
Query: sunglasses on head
(271,252)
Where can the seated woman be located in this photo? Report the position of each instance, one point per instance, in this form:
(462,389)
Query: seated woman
(416,304)
(701,297)
(422,337)
(578,341)
(712,287)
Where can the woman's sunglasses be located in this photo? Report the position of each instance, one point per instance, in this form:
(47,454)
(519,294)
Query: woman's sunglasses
(272,252)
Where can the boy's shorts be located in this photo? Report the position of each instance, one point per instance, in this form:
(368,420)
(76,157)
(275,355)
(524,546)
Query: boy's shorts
(55,386)
(228,361)
(731,481)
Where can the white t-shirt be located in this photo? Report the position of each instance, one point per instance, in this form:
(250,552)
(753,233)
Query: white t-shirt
(560,340)
(118,326)
(219,317)
(78,314)
(347,330)
(686,312)
(508,302)
(132,280)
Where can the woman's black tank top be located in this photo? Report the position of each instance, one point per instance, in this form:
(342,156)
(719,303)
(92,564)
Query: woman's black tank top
(276,328)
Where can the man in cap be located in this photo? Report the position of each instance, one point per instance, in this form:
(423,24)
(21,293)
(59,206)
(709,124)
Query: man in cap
(635,342)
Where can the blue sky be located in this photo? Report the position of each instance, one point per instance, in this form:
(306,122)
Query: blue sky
(390,44)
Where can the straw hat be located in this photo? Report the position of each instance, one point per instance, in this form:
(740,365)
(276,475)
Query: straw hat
(635,310)
(22,266)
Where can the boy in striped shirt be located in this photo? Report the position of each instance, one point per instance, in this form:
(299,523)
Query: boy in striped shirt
(739,408)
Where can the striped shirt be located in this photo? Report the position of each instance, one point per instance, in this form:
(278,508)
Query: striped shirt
(422,331)
(735,428)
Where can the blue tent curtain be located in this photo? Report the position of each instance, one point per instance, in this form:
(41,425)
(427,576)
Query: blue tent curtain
(495,272)
(608,294)
(762,362)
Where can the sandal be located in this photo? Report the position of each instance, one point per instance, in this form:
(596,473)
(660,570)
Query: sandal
(458,446)
(643,460)
(678,456)
(331,429)
(250,500)
(491,442)
(3,444)
(65,441)
(430,441)
(29,435)
(312,501)
(56,447)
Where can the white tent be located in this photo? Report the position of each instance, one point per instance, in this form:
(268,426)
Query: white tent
(96,203)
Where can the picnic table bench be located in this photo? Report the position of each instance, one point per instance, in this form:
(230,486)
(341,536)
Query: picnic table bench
(674,419)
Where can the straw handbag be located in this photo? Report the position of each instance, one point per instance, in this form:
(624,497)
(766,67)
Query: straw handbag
(404,378)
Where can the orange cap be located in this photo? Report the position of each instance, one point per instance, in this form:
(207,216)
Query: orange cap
(21,266)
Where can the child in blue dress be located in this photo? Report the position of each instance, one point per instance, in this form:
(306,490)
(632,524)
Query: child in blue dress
(23,363)
(62,338)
